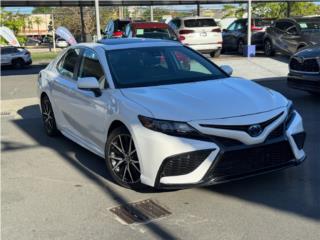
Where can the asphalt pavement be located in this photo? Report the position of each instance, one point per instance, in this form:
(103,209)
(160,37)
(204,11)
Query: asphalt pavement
(52,188)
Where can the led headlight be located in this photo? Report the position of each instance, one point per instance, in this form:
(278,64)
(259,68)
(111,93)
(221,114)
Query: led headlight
(174,128)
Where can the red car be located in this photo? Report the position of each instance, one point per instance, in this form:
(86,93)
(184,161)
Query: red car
(150,30)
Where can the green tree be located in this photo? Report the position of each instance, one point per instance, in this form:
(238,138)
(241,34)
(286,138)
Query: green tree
(42,10)
(38,21)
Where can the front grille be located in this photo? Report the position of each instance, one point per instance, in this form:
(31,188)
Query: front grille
(308,65)
(183,163)
(248,160)
(243,127)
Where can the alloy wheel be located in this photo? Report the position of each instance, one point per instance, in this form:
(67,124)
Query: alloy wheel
(123,158)
(48,117)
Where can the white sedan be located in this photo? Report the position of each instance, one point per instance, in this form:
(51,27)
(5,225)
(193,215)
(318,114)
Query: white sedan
(162,115)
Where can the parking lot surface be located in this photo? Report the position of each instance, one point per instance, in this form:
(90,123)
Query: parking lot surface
(54,189)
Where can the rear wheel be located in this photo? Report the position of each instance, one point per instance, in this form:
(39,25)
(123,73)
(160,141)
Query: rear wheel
(240,46)
(122,159)
(268,48)
(49,121)
(215,53)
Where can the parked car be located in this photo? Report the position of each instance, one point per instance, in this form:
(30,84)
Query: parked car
(235,36)
(115,28)
(32,42)
(154,30)
(61,43)
(15,56)
(155,122)
(304,69)
(291,35)
(200,33)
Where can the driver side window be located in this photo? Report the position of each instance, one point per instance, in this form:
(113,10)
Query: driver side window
(91,67)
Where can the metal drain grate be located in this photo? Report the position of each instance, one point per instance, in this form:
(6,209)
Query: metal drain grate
(140,212)
(5,113)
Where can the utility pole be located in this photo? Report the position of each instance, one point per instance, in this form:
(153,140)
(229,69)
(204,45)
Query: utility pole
(96,4)
(198,9)
(151,13)
(249,23)
(83,35)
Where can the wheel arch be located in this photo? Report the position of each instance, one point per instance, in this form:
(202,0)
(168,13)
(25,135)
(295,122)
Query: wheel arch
(116,124)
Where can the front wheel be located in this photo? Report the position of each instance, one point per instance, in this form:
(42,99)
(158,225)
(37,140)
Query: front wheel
(18,63)
(122,159)
(268,48)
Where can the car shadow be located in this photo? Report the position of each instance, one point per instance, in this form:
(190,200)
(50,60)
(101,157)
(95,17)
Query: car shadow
(87,163)
(27,70)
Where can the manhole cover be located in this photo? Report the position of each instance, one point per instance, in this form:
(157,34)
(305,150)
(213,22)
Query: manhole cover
(140,212)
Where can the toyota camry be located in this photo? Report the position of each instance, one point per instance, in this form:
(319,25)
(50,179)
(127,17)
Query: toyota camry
(162,115)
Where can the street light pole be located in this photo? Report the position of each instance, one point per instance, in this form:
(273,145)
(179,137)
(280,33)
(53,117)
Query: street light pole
(151,13)
(96,4)
(53,34)
(249,23)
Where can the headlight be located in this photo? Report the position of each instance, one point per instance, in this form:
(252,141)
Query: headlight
(173,128)
(290,115)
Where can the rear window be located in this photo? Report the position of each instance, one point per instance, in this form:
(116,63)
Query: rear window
(157,33)
(205,22)
(263,22)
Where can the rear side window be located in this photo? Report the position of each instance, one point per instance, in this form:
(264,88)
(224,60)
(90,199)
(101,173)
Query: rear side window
(205,22)
(67,64)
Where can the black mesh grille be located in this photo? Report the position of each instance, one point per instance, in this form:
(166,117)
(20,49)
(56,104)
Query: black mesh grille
(184,163)
(308,65)
(247,160)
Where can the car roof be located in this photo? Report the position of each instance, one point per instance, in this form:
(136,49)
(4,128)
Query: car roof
(297,19)
(149,25)
(123,43)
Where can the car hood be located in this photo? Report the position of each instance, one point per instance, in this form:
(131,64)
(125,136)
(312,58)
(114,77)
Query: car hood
(311,52)
(223,98)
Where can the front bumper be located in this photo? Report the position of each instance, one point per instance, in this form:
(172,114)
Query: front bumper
(304,81)
(173,162)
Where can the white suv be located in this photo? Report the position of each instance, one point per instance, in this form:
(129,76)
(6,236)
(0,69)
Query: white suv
(15,56)
(200,33)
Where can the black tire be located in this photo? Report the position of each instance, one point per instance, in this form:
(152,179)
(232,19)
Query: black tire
(215,53)
(18,63)
(268,48)
(122,159)
(240,47)
(49,121)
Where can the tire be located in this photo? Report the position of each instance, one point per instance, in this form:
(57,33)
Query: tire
(215,53)
(268,48)
(240,47)
(49,121)
(122,159)
(18,63)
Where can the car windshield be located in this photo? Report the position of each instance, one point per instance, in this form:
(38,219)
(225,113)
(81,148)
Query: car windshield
(310,25)
(205,22)
(152,66)
(158,33)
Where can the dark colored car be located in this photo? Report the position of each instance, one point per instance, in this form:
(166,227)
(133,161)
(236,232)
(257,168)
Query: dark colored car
(235,36)
(155,30)
(304,69)
(291,35)
(115,28)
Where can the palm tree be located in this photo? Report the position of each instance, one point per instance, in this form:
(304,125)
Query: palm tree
(38,21)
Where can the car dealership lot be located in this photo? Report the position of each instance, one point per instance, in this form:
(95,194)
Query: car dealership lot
(54,189)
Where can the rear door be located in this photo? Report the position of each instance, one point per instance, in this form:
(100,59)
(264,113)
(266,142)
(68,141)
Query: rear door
(280,37)
(201,31)
(232,34)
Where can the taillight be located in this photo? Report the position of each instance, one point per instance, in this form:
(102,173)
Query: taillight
(181,38)
(117,34)
(216,30)
(254,28)
(186,31)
